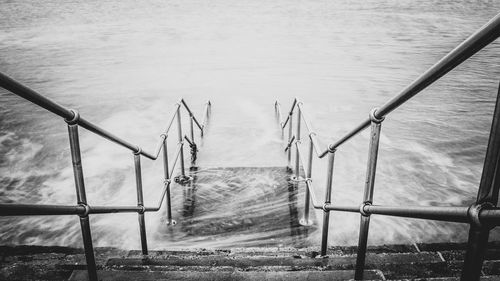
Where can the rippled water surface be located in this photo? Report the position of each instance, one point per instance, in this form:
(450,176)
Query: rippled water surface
(123,65)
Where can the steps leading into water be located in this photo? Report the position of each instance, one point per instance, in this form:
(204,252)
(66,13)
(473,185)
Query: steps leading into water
(238,207)
(437,262)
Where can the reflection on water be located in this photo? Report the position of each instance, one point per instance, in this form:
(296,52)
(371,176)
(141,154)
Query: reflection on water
(123,66)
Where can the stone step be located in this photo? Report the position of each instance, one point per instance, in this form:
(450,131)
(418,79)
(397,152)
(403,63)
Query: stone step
(335,275)
(106,275)
(396,262)
(236,261)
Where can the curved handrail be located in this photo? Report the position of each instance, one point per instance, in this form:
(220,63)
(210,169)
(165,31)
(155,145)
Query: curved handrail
(72,115)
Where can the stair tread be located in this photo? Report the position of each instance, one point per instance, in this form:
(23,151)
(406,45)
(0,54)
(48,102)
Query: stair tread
(105,275)
(255,261)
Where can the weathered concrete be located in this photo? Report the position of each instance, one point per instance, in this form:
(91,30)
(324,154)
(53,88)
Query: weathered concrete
(226,276)
(395,262)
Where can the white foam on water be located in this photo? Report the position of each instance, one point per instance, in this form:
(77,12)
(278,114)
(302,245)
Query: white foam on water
(124,66)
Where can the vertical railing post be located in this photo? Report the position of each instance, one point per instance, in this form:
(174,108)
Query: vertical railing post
(328,199)
(290,132)
(167,182)
(305,220)
(194,149)
(81,196)
(191,127)
(297,140)
(487,196)
(181,141)
(368,194)
(140,201)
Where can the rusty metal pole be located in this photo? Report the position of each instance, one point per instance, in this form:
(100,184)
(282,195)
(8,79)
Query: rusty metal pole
(328,199)
(81,196)
(487,196)
(368,194)
(140,202)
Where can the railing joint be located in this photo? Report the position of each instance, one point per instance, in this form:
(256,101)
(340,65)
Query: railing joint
(324,207)
(138,150)
(332,148)
(142,210)
(86,207)
(362,208)
(374,118)
(75,119)
(474,213)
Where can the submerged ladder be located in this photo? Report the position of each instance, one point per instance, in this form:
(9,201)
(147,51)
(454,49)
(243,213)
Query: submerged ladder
(482,216)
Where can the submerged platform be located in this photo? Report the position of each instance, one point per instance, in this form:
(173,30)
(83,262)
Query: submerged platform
(387,262)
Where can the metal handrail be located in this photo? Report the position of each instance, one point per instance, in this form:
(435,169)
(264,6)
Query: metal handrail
(70,114)
(439,213)
(482,215)
(11,209)
(477,41)
(83,209)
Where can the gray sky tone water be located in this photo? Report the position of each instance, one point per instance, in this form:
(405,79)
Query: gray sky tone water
(123,65)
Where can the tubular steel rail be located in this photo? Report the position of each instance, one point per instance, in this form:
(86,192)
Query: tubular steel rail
(82,208)
(482,216)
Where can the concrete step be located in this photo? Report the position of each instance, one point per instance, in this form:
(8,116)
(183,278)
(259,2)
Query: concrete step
(81,275)
(335,275)
(436,262)
(395,265)
(241,261)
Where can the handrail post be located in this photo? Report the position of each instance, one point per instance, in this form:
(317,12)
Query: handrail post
(167,182)
(328,199)
(191,127)
(297,140)
(76,160)
(181,141)
(305,220)
(290,132)
(140,202)
(368,194)
(193,146)
(487,195)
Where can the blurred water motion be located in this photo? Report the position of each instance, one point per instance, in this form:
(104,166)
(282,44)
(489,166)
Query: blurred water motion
(123,64)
